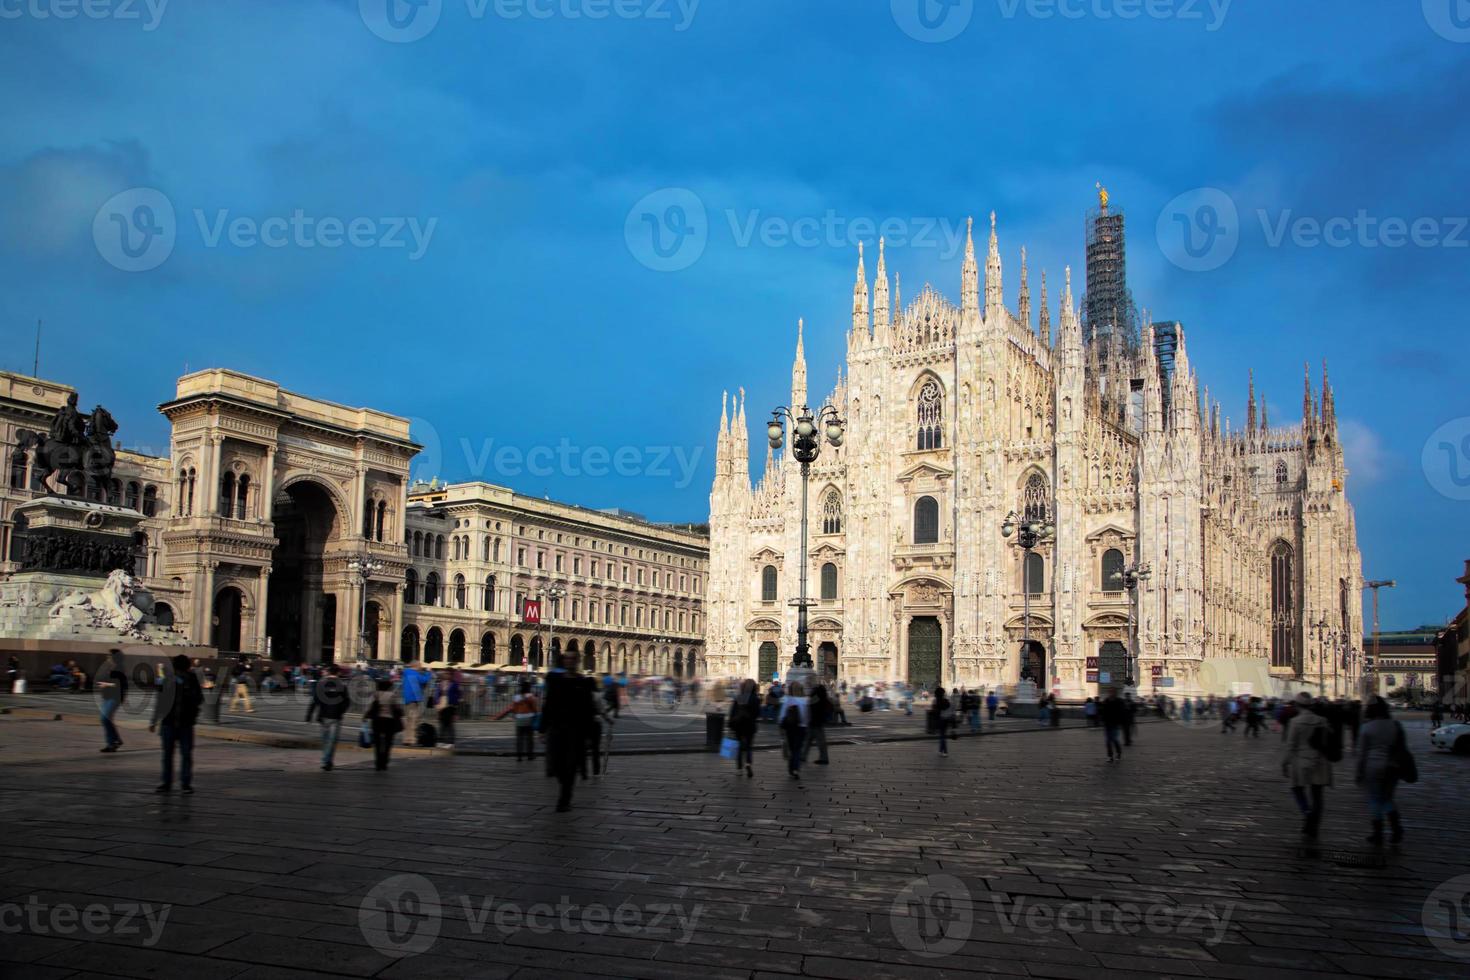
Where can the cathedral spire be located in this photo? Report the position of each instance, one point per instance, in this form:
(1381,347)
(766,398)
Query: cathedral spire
(970,273)
(1309,413)
(1044,326)
(1329,405)
(722,443)
(1023,302)
(1070,334)
(994,295)
(880,291)
(1250,405)
(860,329)
(1265,422)
(798,371)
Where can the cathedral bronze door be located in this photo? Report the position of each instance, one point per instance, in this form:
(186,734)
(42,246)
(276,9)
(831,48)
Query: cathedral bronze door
(1112,662)
(768,655)
(926,641)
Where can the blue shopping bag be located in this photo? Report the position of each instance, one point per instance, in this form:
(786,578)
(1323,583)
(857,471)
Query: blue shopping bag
(729,748)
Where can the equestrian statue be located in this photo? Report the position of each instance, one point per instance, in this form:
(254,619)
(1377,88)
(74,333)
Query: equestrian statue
(77,452)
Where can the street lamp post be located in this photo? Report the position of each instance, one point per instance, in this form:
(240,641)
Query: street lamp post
(364,567)
(806,445)
(1130,578)
(550,596)
(1028,533)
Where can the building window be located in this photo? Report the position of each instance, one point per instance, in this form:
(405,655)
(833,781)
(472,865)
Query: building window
(541,559)
(439,547)
(1035,573)
(829,581)
(926,520)
(431,589)
(410,587)
(559,562)
(768,583)
(1281,472)
(1283,606)
(459,592)
(576,566)
(931,416)
(489,601)
(133,500)
(150,500)
(1034,506)
(17,470)
(521,557)
(832,513)
(1112,570)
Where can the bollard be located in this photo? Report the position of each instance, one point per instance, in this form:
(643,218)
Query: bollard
(714,730)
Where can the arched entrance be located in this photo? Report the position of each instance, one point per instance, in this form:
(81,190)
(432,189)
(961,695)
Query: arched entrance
(300,621)
(517,650)
(456,647)
(163,614)
(487,648)
(408,648)
(826,662)
(433,645)
(1112,664)
(767,656)
(678,663)
(1033,663)
(371,615)
(229,603)
(536,659)
(925,648)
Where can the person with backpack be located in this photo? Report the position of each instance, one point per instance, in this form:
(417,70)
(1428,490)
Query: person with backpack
(796,715)
(566,720)
(447,695)
(1383,759)
(992,701)
(1114,716)
(385,715)
(821,717)
(745,713)
(1308,757)
(524,708)
(175,711)
(329,703)
(942,712)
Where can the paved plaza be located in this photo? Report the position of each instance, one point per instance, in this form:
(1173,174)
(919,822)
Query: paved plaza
(1014,856)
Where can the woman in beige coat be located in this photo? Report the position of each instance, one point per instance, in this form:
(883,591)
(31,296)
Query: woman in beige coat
(1306,765)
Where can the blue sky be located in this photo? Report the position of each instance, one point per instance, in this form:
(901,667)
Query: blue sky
(529,311)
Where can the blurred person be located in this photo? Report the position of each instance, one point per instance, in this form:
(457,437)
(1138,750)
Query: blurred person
(745,713)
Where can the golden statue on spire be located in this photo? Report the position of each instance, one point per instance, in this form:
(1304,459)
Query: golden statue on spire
(1102,195)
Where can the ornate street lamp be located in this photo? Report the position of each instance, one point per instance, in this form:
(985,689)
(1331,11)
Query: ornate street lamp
(1028,533)
(1130,577)
(364,567)
(550,596)
(806,446)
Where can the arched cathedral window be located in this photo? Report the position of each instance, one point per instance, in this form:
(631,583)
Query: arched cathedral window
(1281,472)
(1283,606)
(931,416)
(926,520)
(1034,506)
(768,583)
(832,513)
(1112,570)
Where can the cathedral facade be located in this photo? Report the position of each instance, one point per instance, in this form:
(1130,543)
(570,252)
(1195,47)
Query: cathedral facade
(1243,542)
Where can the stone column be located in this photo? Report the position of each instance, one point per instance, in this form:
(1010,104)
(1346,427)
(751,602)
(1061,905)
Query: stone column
(262,601)
(265,500)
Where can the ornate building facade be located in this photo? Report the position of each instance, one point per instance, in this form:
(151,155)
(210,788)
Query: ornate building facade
(283,525)
(959,415)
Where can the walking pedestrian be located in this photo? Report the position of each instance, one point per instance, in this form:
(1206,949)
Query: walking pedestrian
(796,717)
(1381,748)
(447,694)
(992,701)
(1089,711)
(941,712)
(329,703)
(1114,714)
(1307,760)
(745,712)
(1130,719)
(972,710)
(415,684)
(601,714)
(240,676)
(175,711)
(821,717)
(525,709)
(565,720)
(112,691)
(1056,713)
(385,715)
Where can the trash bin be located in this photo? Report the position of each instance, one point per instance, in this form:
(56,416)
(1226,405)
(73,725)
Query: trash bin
(714,730)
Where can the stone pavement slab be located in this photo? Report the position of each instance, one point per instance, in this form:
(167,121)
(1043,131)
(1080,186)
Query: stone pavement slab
(1013,857)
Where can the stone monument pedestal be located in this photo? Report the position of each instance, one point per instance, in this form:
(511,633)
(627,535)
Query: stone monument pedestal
(1024,701)
(805,676)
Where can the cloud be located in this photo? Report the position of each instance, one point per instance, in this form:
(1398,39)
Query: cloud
(1366,456)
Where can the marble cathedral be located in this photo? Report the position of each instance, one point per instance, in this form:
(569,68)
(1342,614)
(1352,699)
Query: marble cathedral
(958,415)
